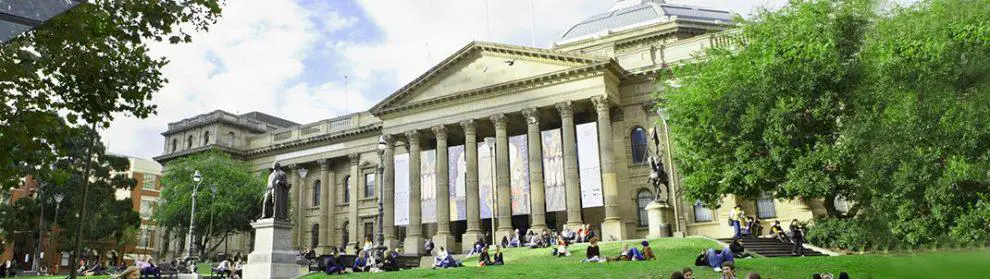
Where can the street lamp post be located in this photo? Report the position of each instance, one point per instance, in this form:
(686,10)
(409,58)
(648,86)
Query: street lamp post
(189,256)
(41,228)
(382,145)
(490,142)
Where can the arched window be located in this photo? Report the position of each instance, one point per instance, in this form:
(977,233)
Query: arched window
(347,189)
(639,148)
(345,236)
(189,142)
(314,237)
(230,139)
(316,193)
(643,199)
(175,145)
(206,138)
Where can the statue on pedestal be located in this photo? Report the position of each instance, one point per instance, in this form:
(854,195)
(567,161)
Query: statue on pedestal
(658,175)
(276,201)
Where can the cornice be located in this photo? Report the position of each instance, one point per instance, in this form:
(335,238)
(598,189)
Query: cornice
(321,138)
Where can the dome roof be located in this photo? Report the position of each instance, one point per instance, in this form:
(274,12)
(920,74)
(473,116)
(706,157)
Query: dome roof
(628,14)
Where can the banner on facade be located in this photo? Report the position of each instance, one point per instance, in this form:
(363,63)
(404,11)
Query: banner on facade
(553,170)
(428,185)
(401,189)
(589,165)
(458,182)
(519,174)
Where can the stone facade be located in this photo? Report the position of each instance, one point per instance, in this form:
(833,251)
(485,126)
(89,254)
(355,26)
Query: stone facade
(488,90)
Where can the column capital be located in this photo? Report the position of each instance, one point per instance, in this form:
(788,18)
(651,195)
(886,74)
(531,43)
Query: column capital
(468,126)
(498,120)
(566,109)
(412,137)
(532,115)
(440,131)
(602,105)
(389,140)
(324,163)
(355,158)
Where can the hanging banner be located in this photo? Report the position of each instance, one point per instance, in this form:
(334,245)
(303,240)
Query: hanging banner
(458,182)
(401,189)
(553,170)
(428,185)
(519,174)
(485,178)
(589,165)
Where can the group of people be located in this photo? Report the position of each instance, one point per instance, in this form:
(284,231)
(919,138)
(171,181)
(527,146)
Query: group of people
(743,225)
(368,259)
(749,226)
(593,253)
(545,238)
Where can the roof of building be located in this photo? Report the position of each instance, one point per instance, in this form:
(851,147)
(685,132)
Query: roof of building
(269,119)
(635,13)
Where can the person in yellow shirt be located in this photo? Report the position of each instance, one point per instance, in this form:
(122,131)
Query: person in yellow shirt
(736,216)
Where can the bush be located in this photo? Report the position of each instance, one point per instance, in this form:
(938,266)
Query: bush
(858,234)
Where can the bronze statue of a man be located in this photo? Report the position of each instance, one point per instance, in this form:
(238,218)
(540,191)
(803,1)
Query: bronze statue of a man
(276,201)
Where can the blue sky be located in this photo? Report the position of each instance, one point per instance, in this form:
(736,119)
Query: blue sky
(288,58)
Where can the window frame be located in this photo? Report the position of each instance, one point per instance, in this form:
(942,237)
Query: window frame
(314,238)
(643,217)
(639,148)
(711,213)
(206,138)
(145,181)
(317,192)
(773,207)
(346,187)
(370,186)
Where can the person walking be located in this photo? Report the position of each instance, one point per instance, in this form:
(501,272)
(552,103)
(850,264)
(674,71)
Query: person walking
(797,237)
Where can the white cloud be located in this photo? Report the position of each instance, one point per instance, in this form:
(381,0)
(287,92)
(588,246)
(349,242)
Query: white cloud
(253,59)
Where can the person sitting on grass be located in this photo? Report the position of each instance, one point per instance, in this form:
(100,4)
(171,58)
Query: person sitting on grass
(391,261)
(688,273)
(561,249)
(738,250)
(514,242)
(843,275)
(484,259)
(753,275)
(476,248)
(647,251)
(333,264)
(224,268)
(497,258)
(444,260)
(505,241)
(623,254)
(728,270)
(713,258)
(635,254)
(361,263)
(591,234)
(677,275)
(593,254)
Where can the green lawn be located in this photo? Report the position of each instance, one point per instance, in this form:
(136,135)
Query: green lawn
(675,254)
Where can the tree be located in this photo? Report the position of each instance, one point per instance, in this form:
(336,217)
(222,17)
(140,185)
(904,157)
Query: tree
(763,115)
(110,218)
(888,108)
(91,64)
(236,204)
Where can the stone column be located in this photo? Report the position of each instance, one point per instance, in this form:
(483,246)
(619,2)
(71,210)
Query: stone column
(613,227)
(296,205)
(388,182)
(537,191)
(414,233)
(326,205)
(473,206)
(503,189)
(355,223)
(443,237)
(572,185)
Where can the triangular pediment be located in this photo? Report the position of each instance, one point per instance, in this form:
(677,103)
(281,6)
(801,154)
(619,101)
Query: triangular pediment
(480,65)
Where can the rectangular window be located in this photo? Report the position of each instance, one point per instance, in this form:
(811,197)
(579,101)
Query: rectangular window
(347,189)
(701,213)
(149,181)
(369,185)
(369,231)
(765,208)
(144,241)
(147,208)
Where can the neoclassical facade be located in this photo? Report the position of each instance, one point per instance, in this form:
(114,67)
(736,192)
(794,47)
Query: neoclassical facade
(566,127)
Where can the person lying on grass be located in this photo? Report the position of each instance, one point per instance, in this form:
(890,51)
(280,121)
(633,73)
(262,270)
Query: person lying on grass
(713,258)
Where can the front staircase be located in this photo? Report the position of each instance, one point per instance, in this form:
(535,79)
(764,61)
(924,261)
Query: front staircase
(769,247)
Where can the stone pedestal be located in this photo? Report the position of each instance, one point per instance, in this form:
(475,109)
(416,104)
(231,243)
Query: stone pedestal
(446,241)
(273,256)
(659,226)
(469,238)
(413,246)
(613,230)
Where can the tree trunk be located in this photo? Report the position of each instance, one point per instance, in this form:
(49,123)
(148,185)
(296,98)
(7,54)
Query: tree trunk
(830,207)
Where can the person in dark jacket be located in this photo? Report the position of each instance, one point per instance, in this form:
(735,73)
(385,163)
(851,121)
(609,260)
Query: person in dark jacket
(593,254)
(737,248)
(497,258)
(797,237)
(485,259)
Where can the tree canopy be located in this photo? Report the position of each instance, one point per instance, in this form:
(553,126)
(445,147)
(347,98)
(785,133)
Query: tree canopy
(236,204)
(883,105)
(89,64)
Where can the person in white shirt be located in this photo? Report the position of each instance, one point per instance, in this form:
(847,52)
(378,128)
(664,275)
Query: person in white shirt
(224,268)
